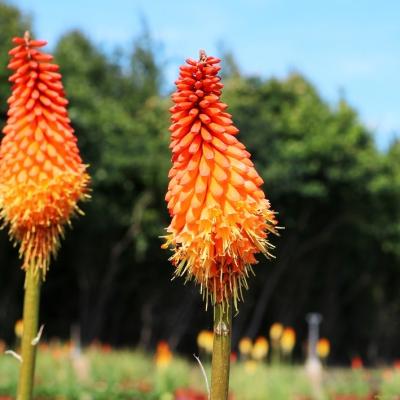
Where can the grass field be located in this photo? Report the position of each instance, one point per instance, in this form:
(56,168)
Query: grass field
(110,375)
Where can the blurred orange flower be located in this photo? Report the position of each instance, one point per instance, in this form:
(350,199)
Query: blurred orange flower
(356,362)
(106,348)
(288,340)
(260,348)
(220,216)
(323,348)
(189,394)
(42,176)
(163,355)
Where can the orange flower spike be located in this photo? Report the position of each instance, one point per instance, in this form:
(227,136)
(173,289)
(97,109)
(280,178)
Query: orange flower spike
(42,176)
(220,216)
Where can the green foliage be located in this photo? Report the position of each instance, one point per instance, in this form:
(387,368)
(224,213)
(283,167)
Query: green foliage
(301,145)
(124,142)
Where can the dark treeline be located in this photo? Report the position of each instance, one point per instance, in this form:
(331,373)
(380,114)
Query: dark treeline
(337,195)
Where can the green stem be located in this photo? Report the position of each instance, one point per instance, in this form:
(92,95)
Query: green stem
(221,351)
(31,315)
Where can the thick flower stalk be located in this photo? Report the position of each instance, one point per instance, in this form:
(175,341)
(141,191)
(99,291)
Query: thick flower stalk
(220,216)
(42,176)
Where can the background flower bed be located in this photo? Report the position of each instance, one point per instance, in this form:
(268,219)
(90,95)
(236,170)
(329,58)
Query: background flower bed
(109,374)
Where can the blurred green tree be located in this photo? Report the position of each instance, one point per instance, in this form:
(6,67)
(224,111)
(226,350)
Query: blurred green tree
(319,163)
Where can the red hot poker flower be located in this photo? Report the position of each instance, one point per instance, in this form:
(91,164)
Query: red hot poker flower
(220,216)
(42,176)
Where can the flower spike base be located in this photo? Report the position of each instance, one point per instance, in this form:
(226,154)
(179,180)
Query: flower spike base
(42,178)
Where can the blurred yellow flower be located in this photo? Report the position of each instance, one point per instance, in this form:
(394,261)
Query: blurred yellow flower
(288,340)
(245,346)
(323,348)
(260,348)
(275,332)
(205,340)
(19,328)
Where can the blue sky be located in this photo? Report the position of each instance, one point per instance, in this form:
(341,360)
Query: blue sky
(343,46)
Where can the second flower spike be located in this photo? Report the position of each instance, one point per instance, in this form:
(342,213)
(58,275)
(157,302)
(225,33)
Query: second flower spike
(220,216)
(42,176)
